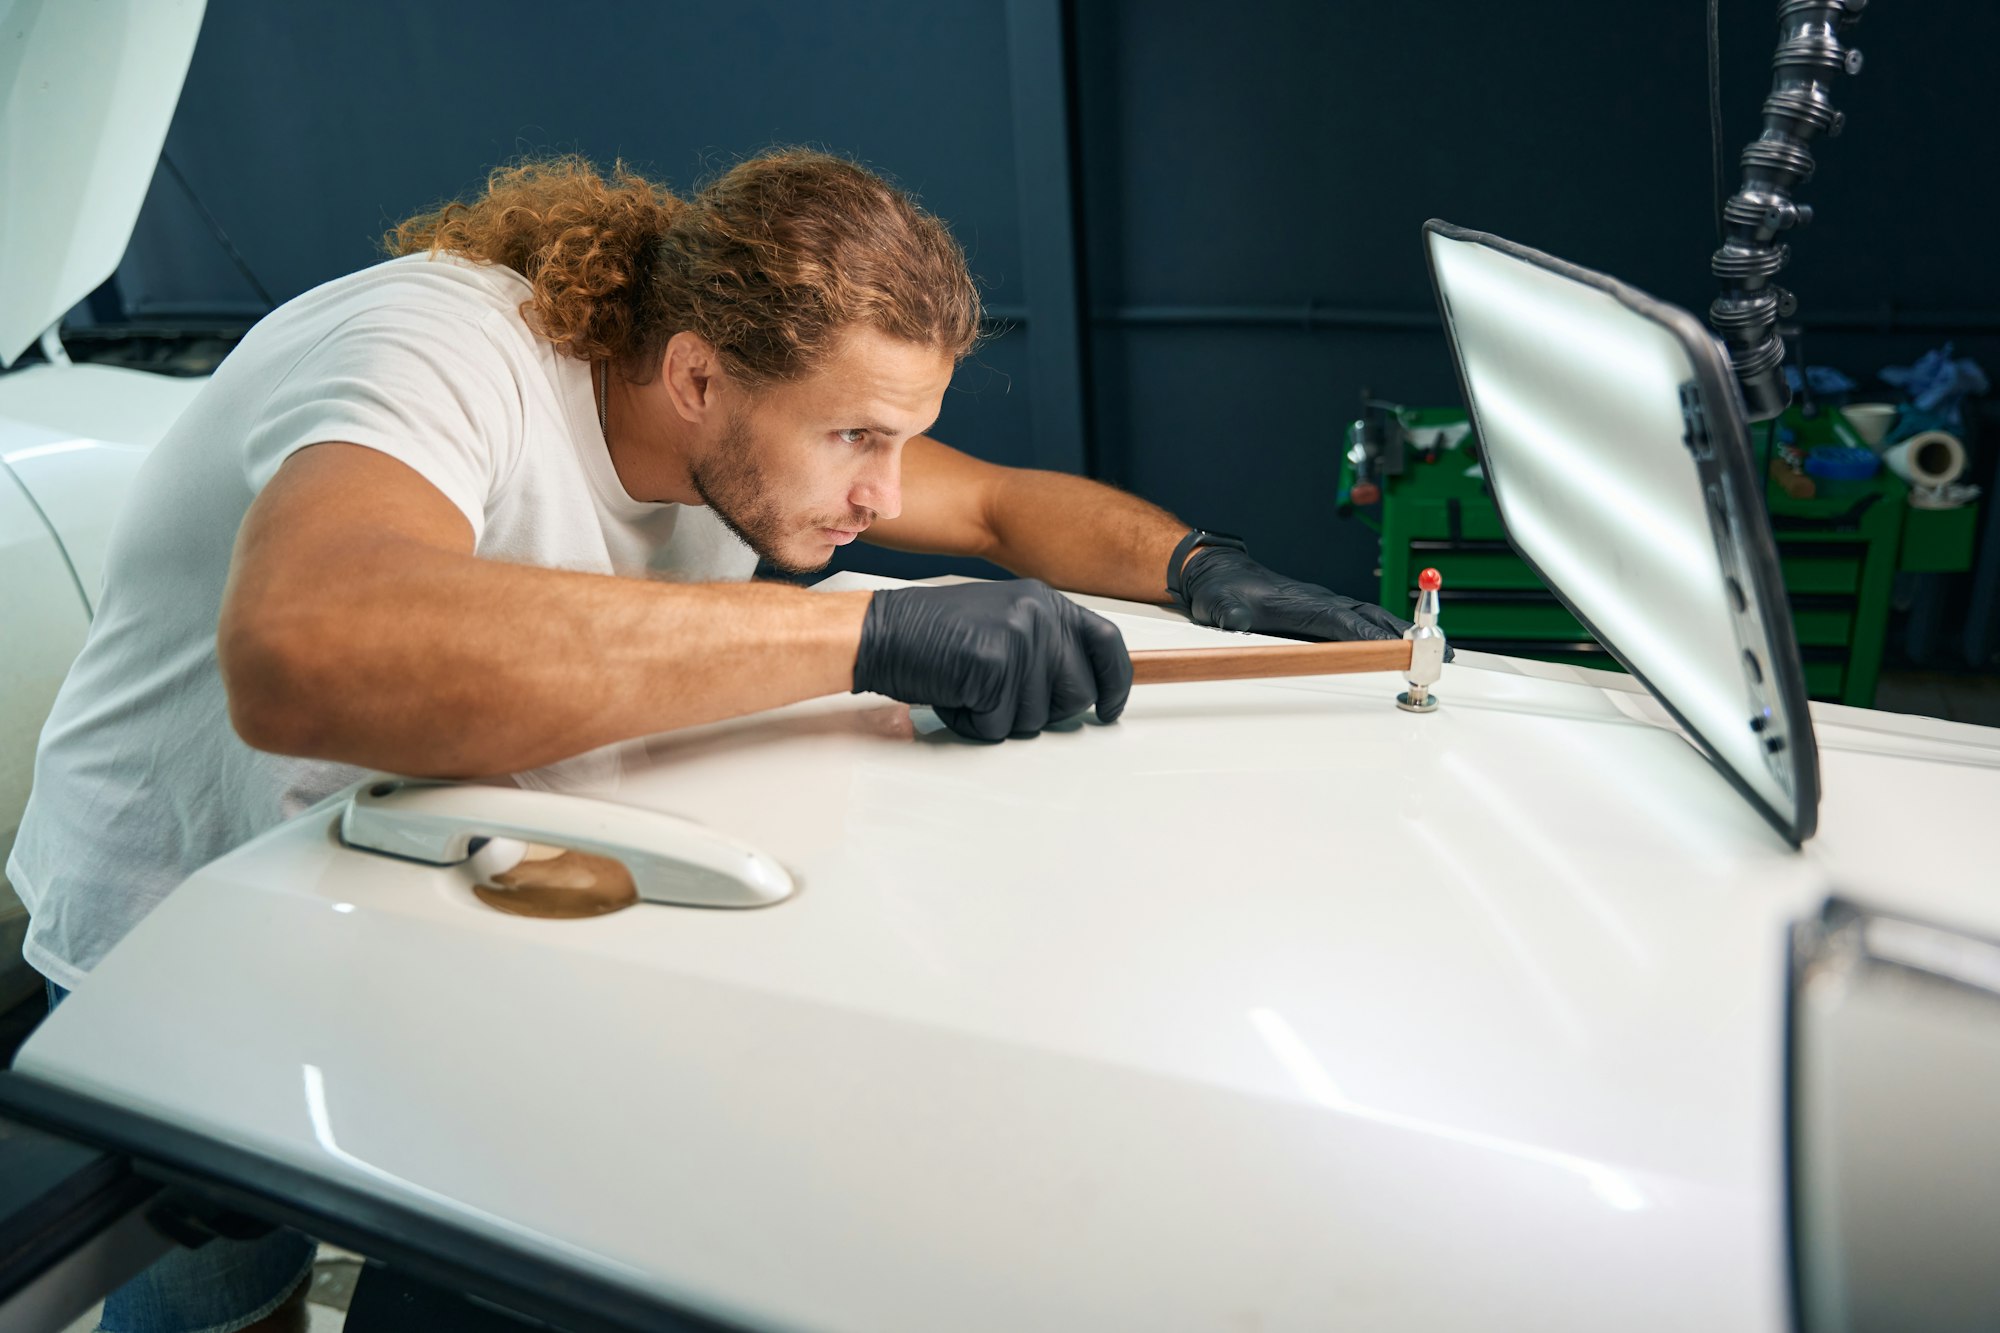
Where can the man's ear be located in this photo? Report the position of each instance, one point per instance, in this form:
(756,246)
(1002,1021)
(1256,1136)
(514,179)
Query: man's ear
(691,372)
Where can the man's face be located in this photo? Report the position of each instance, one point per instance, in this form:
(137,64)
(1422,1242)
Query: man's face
(804,467)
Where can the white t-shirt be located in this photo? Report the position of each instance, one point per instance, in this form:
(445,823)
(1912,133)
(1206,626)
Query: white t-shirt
(139,779)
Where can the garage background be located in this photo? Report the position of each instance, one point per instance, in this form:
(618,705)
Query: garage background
(1197,225)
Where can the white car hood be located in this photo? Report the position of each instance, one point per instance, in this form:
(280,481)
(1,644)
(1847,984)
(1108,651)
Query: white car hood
(1271,1006)
(74,437)
(86,94)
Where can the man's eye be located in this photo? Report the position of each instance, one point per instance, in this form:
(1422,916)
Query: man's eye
(856,435)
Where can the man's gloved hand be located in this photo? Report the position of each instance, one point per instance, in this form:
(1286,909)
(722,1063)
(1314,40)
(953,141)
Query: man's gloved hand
(994,659)
(1224,587)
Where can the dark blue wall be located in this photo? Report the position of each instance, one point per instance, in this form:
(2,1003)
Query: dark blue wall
(307,130)
(1286,154)
(1226,162)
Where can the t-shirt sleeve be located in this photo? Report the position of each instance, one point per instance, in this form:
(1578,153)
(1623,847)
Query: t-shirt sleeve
(430,389)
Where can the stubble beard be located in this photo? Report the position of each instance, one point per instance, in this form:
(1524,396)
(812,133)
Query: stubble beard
(732,484)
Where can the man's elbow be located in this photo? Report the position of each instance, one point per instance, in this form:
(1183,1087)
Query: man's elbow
(266,679)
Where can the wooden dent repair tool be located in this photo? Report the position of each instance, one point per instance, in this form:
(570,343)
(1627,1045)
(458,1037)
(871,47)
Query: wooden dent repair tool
(1419,655)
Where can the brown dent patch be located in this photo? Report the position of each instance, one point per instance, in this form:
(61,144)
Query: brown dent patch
(555,883)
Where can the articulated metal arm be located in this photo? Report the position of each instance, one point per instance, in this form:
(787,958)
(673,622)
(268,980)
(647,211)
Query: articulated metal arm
(1810,56)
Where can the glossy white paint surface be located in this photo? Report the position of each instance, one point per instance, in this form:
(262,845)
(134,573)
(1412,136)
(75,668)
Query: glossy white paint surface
(75,436)
(1271,1006)
(86,93)
(71,441)
(109,404)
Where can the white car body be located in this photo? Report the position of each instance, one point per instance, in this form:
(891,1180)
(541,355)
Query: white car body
(71,440)
(86,93)
(1270,1007)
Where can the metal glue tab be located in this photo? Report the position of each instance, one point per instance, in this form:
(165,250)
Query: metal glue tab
(1426,647)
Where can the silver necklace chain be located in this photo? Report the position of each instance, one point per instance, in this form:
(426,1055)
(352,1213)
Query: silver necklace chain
(604,403)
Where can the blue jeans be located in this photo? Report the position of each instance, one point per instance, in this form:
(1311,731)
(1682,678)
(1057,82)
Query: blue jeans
(219,1288)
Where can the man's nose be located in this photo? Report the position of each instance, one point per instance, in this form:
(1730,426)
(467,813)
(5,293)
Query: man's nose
(880,487)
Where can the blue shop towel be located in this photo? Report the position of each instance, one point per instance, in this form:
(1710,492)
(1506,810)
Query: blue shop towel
(1935,385)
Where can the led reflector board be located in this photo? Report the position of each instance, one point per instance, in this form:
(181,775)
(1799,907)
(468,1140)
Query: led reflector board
(1613,439)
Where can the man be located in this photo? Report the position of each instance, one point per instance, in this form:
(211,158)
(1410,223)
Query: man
(495,502)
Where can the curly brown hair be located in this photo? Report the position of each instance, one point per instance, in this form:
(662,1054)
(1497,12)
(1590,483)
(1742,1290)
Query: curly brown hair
(769,263)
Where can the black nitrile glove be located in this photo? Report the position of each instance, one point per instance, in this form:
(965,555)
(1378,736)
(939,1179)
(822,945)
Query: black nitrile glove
(1226,588)
(994,659)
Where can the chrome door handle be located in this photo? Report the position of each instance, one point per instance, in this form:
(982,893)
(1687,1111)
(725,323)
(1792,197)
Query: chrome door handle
(672,860)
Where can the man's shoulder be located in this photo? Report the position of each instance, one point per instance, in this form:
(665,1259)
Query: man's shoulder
(442,284)
(443,306)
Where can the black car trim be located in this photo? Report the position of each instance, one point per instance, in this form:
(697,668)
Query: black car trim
(521,1280)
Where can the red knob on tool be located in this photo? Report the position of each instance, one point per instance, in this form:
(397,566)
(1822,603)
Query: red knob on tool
(1430,580)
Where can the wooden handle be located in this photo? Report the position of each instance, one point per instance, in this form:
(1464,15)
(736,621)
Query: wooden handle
(1175,666)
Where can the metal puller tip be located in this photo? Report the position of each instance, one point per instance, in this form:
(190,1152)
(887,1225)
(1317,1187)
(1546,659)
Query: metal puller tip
(1426,647)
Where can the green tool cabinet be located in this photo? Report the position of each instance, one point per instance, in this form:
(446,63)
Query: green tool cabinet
(1840,552)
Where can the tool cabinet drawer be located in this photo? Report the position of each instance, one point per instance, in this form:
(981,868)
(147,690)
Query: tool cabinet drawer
(1815,573)
(1472,566)
(1473,617)
(1826,625)
(1825,680)
(1453,520)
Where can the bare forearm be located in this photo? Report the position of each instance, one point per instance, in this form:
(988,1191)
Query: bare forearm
(1082,535)
(431,663)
